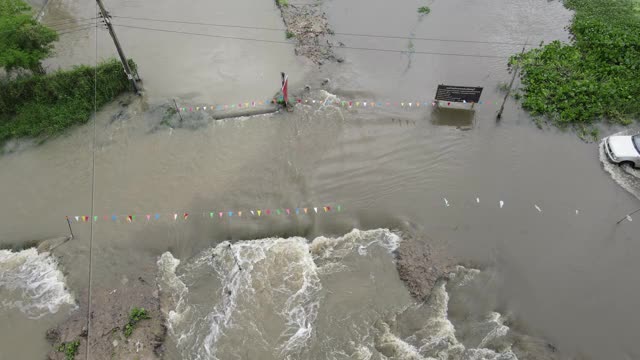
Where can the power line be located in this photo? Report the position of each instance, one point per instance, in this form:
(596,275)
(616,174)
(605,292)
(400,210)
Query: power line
(76,30)
(290,44)
(334,33)
(69,21)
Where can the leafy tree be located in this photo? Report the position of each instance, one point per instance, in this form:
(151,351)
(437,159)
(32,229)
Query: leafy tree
(24,42)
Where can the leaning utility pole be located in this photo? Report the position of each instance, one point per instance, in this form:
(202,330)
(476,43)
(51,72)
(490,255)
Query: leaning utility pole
(107,20)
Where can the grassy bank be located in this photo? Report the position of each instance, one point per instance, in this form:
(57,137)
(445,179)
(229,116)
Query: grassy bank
(44,105)
(594,78)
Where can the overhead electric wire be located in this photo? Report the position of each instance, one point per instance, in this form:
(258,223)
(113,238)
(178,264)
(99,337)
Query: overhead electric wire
(333,33)
(289,43)
(69,21)
(76,30)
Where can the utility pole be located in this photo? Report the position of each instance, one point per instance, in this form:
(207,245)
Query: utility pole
(107,20)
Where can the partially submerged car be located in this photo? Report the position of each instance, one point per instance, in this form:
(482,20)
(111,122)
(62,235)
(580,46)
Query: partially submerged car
(623,149)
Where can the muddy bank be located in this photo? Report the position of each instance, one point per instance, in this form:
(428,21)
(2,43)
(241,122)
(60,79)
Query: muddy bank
(110,311)
(307,25)
(420,265)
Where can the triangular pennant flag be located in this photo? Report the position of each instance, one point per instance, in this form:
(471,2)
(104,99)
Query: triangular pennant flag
(288,211)
(339,207)
(105,218)
(133,217)
(253,103)
(175,216)
(230,213)
(409,104)
(325,209)
(186,215)
(95,218)
(297,211)
(220,214)
(259,212)
(204,108)
(246,104)
(252,212)
(239,213)
(418,104)
(268,212)
(114,218)
(86,218)
(402,104)
(278,211)
(328,208)
(364,103)
(157,216)
(211,215)
(129,218)
(305,210)
(77,218)
(315,209)
(148,217)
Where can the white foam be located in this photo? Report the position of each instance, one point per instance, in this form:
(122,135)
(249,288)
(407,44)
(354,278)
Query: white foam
(32,283)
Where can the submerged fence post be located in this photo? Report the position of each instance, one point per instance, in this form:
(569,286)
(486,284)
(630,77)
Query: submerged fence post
(515,72)
(69,223)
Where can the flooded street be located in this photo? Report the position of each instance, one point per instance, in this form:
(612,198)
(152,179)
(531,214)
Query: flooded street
(535,209)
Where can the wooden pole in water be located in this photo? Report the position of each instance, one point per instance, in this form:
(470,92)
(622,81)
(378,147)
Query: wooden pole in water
(628,216)
(69,223)
(178,110)
(506,96)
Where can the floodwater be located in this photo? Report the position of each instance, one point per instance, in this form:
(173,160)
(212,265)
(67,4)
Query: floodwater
(537,207)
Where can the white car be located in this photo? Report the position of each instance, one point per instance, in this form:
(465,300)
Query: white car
(623,149)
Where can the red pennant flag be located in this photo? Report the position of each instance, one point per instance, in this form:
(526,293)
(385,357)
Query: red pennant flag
(268,212)
(328,208)
(186,215)
(129,218)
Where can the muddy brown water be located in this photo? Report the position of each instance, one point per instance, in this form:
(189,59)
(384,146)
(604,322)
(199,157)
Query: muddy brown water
(566,271)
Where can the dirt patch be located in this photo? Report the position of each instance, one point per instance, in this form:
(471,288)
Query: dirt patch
(307,25)
(110,314)
(420,265)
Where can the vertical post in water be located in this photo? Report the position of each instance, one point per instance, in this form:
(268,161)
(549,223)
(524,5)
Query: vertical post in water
(107,20)
(515,72)
(177,109)
(285,89)
(69,223)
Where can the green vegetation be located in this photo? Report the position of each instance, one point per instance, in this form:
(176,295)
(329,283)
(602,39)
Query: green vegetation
(135,316)
(596,77)
(24,42)
(69,349)
(282,3)
(44,105)
(424,10)
(290,34)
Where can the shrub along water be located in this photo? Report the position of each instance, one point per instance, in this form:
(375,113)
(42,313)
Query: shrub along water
(596,76)
(44,105)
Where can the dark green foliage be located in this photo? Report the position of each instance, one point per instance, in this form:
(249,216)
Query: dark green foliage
(424,10)
(594,78)
(24,42)
(41,106)
(135,316)
(69,349)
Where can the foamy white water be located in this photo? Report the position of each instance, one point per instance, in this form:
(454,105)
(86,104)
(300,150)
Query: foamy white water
(31,283)
(332,297)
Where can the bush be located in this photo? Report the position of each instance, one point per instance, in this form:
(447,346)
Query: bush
(595,77)
(135,316)
(424,10)
(70,349)
(41,106)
